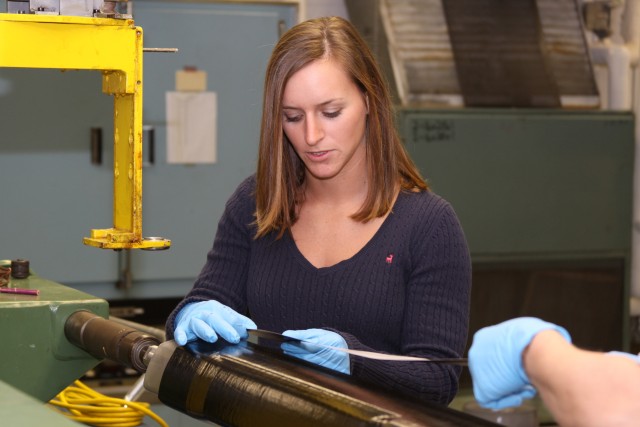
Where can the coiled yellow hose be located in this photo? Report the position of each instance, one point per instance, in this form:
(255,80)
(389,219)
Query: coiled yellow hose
(85,405)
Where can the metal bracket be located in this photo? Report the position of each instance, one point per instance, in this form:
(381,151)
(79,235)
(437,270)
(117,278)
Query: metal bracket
(114,47)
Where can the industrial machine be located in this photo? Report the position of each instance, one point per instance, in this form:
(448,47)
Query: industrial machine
(113,47)
(62,333)
(252,383)
(545,199)
(72,35)
(43,361)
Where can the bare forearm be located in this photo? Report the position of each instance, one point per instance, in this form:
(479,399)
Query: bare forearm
(583,388)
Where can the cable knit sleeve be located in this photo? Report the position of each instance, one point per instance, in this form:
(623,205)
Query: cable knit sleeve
(224,275)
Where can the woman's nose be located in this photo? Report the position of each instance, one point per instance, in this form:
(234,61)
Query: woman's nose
(313,131)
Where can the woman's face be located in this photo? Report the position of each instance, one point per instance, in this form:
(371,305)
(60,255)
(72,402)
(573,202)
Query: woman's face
(324,118)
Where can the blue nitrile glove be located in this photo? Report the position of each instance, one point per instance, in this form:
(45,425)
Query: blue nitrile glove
(208,319)
(634,357)
(495,361)
(329,358)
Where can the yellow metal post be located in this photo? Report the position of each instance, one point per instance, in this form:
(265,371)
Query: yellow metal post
(114,47)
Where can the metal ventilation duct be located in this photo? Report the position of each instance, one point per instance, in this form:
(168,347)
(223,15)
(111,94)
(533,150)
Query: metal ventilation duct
(516,53)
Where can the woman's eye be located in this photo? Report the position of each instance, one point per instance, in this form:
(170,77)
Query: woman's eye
(292,119)
(332,114)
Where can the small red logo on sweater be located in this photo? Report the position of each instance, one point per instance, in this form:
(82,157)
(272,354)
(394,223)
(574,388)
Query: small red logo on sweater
(389,258)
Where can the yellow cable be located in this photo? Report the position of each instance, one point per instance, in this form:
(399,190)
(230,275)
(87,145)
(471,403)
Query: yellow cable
(85,405)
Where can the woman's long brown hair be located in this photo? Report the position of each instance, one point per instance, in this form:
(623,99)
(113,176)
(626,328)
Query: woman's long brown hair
(280,172)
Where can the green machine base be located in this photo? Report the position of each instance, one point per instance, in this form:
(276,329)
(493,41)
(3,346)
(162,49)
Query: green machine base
(36,357)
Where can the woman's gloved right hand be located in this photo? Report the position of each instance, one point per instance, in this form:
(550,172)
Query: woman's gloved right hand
(208,319)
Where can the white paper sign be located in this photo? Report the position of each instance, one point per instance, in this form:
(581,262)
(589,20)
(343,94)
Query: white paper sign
(191,127)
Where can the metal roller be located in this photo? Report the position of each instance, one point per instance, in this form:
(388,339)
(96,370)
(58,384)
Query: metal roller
(251,385)
(106,339)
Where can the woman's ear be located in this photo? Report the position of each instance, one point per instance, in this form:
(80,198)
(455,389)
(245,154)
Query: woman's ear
(366,100)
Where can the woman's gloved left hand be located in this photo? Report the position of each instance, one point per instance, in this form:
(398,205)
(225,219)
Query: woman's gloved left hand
(319,354)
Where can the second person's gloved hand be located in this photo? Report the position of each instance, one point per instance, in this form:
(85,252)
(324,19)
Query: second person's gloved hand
(630,356)
(495,361)
(306,350)
(208,319)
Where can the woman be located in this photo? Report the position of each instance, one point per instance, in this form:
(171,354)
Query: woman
(336,239)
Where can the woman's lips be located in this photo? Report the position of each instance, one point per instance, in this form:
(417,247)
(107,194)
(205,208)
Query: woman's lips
(317,155)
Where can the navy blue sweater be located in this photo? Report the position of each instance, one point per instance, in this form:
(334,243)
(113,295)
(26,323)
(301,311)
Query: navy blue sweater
(405,292)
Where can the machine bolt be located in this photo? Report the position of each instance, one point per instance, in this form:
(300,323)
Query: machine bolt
(20,268)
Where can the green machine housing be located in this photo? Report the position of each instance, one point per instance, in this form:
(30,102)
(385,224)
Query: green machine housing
(545,200)
(37,358)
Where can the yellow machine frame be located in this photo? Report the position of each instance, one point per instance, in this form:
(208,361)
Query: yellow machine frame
(114,47)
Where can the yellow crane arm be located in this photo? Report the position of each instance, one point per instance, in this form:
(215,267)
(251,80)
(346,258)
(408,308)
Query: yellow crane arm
(114,47)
